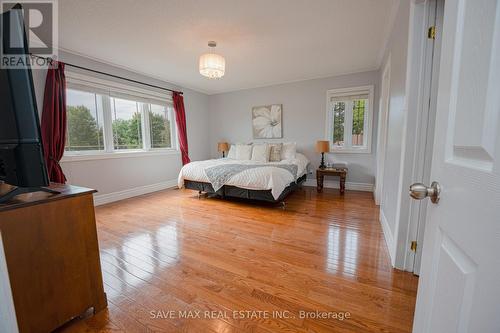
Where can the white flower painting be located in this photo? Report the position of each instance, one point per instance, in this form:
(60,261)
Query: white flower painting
(266,122)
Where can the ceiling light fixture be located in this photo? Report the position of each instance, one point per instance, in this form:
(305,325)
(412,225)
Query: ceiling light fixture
(212,65)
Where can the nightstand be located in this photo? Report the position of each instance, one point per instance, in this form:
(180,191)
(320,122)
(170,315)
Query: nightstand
(339,172)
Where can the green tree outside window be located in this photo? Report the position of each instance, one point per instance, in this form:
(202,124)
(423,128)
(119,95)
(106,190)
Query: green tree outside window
(83,132)
(358,121)
(338,123)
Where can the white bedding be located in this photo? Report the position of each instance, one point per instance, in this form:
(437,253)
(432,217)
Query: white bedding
(265,178)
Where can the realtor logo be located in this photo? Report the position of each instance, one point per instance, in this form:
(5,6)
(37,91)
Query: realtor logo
(40,24)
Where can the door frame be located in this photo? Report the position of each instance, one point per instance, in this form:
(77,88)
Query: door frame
(411,162)
(383,116)
(424,138)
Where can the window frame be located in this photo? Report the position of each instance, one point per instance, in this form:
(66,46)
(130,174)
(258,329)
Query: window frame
(107,90)
(348,119)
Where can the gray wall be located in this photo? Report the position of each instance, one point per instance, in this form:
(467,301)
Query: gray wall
(397,49)
(118,174)
(304,116)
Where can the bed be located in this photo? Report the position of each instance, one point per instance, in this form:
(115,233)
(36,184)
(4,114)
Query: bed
(263,181)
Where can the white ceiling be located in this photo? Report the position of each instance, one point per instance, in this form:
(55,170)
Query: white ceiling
(264,41)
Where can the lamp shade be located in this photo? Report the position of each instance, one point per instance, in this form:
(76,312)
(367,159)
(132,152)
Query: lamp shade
(212,65)
(322,146)
(222,146)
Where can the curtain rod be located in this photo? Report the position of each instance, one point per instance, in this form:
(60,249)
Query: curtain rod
(107,74)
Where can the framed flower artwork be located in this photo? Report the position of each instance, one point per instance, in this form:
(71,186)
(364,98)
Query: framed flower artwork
(267,121)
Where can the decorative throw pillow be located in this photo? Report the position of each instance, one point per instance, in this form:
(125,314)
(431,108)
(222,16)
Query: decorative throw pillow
(275,153)
(232,152)
(243,152)
(289,150)
(260,153)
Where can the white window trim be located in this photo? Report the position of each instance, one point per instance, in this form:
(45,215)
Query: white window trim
(97,85)
(367,148)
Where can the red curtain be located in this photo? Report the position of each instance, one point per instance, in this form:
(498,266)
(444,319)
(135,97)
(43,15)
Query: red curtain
(180,118)
(54,121)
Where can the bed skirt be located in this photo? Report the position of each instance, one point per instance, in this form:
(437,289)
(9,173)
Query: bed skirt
(237,192)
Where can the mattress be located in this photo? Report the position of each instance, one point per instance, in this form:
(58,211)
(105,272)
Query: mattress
(266,177)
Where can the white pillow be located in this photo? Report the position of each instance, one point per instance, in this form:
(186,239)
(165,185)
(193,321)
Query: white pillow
(289,150)
(232,152)
(260,153)
(243,152)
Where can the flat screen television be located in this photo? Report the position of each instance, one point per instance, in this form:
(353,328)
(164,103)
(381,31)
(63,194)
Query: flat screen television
(21,150)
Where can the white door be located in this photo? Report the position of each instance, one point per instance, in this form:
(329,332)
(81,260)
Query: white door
(459,288)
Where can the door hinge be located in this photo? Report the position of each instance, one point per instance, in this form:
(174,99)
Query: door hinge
(413,246)
(431,33)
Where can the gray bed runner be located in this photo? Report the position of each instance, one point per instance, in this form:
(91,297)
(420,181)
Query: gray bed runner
(219,175)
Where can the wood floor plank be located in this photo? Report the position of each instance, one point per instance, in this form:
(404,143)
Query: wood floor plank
(247,267)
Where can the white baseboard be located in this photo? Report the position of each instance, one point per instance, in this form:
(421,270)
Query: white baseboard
(101,199)
(335,184)
(389,239)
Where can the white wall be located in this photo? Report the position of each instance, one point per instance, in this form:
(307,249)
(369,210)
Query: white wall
(392,192)
(133,175)
(304,116)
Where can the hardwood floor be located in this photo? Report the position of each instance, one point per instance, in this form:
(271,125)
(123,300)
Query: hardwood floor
(172,251)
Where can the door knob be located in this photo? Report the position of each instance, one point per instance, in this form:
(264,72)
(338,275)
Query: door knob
(419,191)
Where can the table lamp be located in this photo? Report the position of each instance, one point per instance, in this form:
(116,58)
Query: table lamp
(223,147)
(322,147)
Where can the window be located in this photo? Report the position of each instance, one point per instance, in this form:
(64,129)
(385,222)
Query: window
(127,124)
(105,118)
(358,121)
(84,117)
(160,122)
(349,118)
(338,124)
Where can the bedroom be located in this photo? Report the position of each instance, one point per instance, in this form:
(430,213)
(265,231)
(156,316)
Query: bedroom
(244,166)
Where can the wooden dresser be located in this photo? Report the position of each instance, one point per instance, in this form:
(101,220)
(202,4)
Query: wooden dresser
(52,255)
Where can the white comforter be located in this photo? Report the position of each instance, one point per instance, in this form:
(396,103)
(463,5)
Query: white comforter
(265,178)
